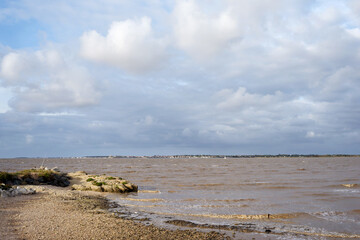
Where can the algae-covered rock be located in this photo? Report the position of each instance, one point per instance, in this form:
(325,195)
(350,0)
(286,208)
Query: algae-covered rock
(35,176)
(101,183)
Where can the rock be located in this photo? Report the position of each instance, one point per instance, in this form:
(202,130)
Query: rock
(3,193)
(25,191)
(36,176)
(29,180)
(96,188)
(121,188)
(104,183)
(107,188)
(78,187)
(128,186)
(12,192)
(17,182)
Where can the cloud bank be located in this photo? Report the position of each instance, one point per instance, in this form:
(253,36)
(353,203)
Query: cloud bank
(44,81)
(177,77)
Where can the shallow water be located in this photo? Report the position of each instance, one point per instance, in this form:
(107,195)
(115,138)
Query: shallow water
(302,198)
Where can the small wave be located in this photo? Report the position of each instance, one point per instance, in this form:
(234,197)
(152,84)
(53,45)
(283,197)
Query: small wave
(149,191)
(145,199)
(236,200)
(337,217)
(349,190)
(350,180)
(346,185)
(240,216)
(245,227)
(190,199)
(224,206)
(208,185)
(318,194)
(328,234)
(250,227)
(280,187)
(140,206)
(212,206)
(356,211)
(256,183)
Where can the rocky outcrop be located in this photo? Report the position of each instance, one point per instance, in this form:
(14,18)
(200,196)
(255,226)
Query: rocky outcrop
(79,181)
(35,176)
(100,183)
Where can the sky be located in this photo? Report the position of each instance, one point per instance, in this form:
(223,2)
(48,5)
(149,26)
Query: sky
(162,77)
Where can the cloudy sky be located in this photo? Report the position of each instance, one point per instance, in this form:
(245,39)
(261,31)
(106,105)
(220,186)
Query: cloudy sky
(125,77)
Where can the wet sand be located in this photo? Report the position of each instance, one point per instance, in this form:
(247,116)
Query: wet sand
(56,213)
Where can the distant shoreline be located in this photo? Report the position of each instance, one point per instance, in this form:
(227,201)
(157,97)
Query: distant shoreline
(199,156)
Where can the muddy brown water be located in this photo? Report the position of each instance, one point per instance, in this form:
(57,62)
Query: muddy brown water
(276,198)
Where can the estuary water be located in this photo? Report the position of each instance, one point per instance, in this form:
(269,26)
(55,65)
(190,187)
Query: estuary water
(261,198)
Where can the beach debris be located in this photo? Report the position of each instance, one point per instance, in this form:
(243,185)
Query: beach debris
(101,183)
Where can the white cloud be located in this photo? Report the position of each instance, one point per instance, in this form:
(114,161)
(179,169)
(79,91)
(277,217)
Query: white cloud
(355,32)
(95,125)
(310,134)
(12,65)
(129,45)
(5,96)
(202,35)
(148,120)
(242,99)
(52,83)
(56,114)
(29,139)
(222,129)
(342,82)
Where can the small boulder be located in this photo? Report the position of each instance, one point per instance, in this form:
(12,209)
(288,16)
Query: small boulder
(102,183)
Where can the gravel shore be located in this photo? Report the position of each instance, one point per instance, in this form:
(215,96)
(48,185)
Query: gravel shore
(57,213)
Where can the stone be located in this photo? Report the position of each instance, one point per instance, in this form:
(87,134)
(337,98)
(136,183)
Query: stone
(107,188)
(12,192)
(129,186)
(103,183)
(96,188)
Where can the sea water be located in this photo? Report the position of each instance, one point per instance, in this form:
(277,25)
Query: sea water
(265,198)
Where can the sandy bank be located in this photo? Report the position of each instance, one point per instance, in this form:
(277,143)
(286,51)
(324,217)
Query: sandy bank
(57,213)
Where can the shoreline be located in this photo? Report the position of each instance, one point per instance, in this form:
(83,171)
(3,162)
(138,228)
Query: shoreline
(180,204)
(61,213)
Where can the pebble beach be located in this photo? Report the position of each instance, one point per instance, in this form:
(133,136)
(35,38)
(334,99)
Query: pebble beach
(58,213)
